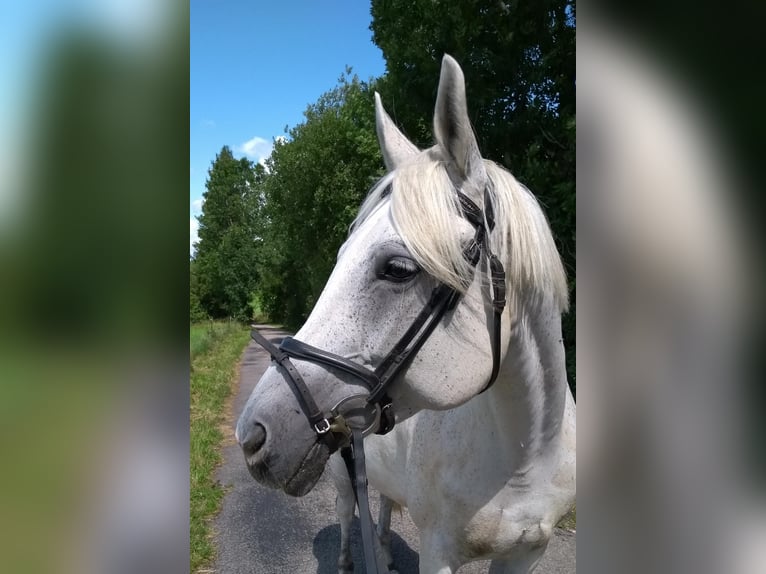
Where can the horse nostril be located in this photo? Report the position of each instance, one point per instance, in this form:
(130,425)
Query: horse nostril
(254,439)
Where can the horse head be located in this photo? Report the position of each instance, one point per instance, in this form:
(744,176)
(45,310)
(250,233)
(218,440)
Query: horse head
(411,236)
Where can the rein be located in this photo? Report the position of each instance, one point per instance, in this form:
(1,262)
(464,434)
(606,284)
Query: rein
(341,427)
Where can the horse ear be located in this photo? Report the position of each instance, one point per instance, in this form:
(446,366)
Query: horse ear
(452,128)
(394,144)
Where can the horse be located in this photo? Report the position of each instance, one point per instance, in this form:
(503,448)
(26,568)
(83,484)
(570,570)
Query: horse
(485,471)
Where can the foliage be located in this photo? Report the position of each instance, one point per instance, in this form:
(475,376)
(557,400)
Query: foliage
(519,63)
(272,235)
(196,312)
(259,316)
(205,334)
(224,272)
(317,180)
(216,347)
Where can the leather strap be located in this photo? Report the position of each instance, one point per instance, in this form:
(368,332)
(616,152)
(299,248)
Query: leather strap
(442,298)
(484,222)
(300,350)
(497,275)
(316,418)
(471,211)
(353,456)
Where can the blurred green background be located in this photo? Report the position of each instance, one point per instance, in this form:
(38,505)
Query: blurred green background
(93,304)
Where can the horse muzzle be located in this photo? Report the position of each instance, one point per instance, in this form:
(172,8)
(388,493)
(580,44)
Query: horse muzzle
(268,467)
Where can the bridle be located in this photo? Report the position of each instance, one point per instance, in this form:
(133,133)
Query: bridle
(356,416)
(443,298)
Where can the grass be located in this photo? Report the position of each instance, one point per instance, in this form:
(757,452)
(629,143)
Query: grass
(569,521)
(203,335)
(215,348)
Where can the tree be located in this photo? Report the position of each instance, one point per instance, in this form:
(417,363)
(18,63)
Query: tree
(196,312)
(225,261)
(519,64)
(318,178)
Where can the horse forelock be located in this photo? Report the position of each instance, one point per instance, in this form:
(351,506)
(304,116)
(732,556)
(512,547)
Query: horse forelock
(424,207)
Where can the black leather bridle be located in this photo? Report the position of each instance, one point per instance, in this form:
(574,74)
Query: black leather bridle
(358,415)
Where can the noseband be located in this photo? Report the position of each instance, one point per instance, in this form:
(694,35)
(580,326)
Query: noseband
(341,427)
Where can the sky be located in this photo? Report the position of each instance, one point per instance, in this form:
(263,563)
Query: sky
(256,65)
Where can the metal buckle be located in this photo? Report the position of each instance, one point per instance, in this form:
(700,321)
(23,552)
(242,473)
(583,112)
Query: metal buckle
(387,420)
(322,427)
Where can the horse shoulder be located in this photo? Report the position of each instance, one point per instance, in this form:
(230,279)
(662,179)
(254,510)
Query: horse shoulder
(565,477)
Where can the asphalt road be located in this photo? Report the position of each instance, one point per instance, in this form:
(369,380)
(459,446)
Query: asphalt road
(264,531)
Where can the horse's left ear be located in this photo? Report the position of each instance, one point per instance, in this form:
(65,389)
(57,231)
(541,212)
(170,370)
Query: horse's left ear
(452,128)
(394,145)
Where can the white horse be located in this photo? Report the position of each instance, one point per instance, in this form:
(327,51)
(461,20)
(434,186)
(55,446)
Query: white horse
(483,475)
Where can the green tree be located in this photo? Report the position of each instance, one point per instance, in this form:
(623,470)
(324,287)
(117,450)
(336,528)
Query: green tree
(519,64)
(318,178)
(196,312)
(226,259)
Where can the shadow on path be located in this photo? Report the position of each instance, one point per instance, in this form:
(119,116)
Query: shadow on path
(327,547)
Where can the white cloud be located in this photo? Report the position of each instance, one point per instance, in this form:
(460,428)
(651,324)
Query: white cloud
(136,21)
(257,149)
(197,204)
(193,233)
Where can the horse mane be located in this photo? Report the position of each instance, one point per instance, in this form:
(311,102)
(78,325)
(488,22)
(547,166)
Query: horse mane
(423,214)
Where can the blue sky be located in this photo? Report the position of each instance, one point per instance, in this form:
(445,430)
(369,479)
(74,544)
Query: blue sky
(256,65)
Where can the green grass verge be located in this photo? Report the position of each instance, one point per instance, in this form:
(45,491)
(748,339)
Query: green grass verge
(569,522)
(202,336)
(215,350)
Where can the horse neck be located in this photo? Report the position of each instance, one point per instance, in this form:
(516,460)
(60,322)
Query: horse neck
(529,397)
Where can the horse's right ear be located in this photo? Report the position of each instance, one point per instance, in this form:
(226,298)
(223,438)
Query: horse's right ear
(394,144)
(452,127)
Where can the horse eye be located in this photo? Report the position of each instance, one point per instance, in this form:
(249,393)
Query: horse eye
(398,270)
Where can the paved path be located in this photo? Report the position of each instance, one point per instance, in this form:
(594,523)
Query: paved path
(264,531)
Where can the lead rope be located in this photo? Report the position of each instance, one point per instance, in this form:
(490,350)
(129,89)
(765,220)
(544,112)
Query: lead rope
(353,456)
